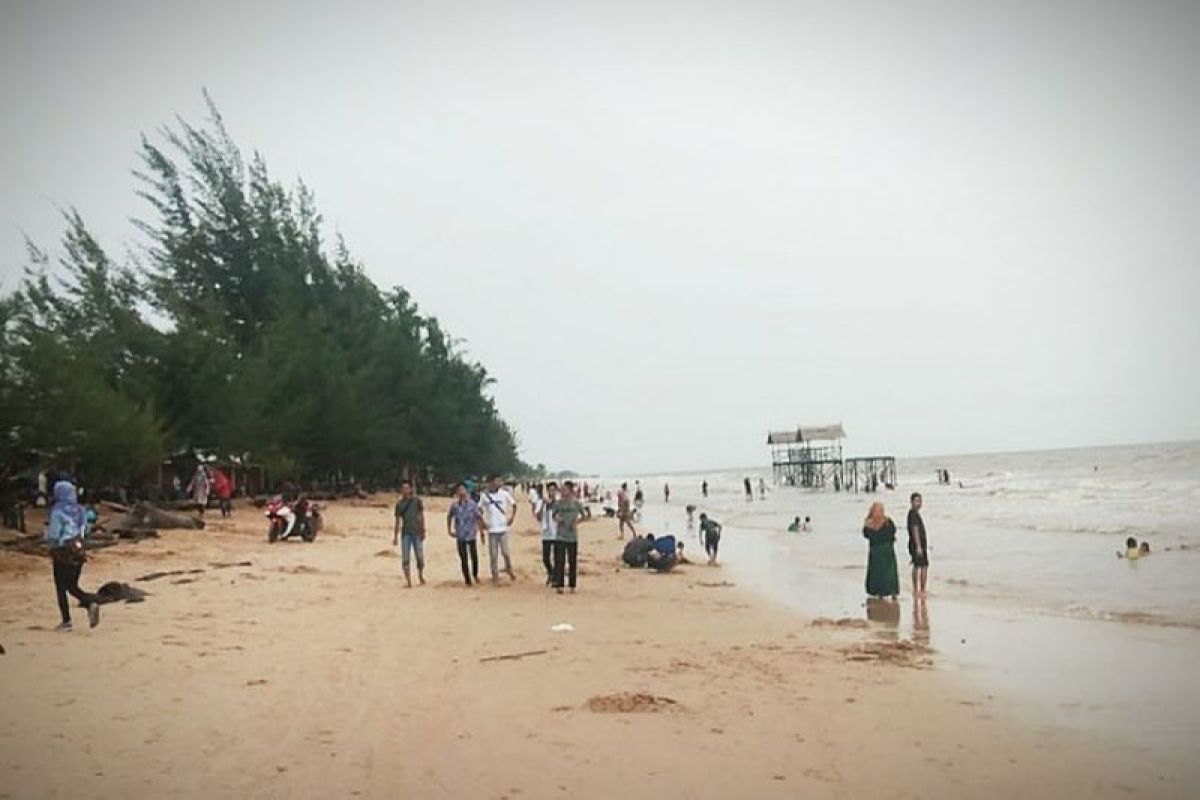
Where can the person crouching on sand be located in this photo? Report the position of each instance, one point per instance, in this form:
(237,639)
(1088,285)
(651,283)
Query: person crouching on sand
(462,524)
(710,530)
(65,531)
(883,577)
(567,512)
(410,531)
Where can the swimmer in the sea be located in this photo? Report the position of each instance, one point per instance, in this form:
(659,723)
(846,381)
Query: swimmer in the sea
(1131,550)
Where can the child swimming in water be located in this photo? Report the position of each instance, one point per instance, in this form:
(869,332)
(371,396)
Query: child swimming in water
(1131,550)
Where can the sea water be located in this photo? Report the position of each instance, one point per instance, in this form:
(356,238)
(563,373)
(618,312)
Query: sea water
(1027,593)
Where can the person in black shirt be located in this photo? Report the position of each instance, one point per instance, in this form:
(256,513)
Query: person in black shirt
(918,547)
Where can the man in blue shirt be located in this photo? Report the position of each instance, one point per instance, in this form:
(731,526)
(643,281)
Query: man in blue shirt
(462,524)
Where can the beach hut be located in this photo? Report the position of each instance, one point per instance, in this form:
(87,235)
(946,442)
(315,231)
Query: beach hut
(809,456)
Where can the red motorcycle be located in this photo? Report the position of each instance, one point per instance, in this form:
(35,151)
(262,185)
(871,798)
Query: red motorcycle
(301,519)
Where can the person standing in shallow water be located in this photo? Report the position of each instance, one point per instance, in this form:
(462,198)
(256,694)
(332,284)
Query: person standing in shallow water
(624,514)
(710,533)
(65,532)
(883,577)
(918,547)
(704,488)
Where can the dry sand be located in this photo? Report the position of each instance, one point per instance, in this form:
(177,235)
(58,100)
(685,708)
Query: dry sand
(314,673)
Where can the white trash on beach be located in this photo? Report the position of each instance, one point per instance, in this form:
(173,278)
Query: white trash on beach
(562,627)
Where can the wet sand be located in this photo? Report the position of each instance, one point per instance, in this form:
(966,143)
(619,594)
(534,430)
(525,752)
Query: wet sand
(314,673)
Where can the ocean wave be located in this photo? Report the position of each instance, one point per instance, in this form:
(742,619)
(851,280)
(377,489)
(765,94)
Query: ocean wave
(1135,618)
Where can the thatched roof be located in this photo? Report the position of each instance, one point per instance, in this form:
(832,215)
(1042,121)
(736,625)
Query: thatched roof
(807,433)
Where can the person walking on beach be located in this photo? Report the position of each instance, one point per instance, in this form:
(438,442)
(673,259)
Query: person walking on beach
(883,578)
(666,492)
(749,490)
(544,511)
(66,529)
(567,512)
(409,532)
(762,488)
(710,531)
(704,488)
(639,499)
(462,524)
(918,546)
(199,488)
(224,488)
(624,514)
(499,511)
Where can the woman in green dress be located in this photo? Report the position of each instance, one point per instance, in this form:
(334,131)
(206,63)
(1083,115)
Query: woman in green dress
(883,578)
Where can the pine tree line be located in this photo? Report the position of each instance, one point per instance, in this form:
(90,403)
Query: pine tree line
(233,331)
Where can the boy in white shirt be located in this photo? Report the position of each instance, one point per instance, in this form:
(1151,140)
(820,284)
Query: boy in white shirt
(542,509)
(499,509)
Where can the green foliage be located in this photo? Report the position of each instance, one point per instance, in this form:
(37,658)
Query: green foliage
(237,333)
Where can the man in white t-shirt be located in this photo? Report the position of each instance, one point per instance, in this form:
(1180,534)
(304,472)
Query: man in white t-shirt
(543,510)
(499,509)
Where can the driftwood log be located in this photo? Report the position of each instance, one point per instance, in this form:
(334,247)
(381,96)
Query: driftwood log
(145,517)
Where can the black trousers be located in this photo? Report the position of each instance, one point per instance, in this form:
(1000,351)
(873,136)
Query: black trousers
(712,543)
(465,550)
(548,558)
(565,552)
(66,581)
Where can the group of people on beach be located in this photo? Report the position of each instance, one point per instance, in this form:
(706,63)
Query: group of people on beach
(488,516)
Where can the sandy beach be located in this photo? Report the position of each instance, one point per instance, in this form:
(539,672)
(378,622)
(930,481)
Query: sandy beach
(312,672)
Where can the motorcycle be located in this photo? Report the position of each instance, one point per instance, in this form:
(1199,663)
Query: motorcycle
(301,519)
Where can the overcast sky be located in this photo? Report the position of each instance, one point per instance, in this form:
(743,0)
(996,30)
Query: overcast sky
(668,227)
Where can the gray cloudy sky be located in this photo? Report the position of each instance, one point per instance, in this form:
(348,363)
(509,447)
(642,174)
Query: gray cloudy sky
(667,227)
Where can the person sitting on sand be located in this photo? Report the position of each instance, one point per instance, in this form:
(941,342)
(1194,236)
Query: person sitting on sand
(680,557)
(807,526)
(637,552)
(663,556)
(796,526)
(1143,549)
(883,577)
(710,529)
